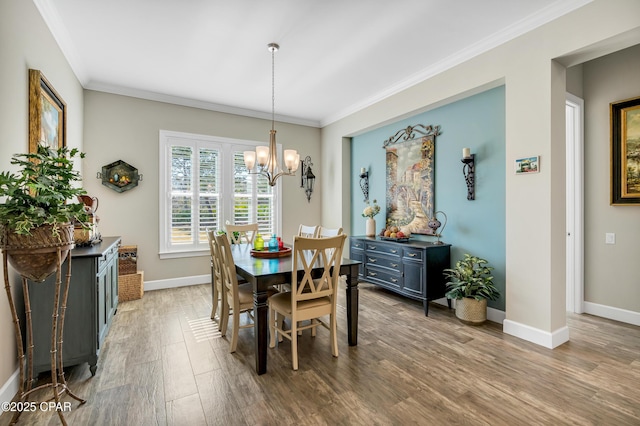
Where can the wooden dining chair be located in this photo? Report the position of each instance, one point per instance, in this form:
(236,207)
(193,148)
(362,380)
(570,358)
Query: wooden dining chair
(239,297)
(308,231)
(310,298)
(241,233)
(328,232)
(218,301)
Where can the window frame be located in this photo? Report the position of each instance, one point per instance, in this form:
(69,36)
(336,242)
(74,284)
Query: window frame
(226,146)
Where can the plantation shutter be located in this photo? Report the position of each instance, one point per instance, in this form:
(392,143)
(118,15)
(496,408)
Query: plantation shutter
(265,214)
(181,194)
(203,184)
(242,191)
(209,192)
(253,198)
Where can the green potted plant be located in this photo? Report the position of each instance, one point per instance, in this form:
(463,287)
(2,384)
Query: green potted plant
(36,217)
(471,285)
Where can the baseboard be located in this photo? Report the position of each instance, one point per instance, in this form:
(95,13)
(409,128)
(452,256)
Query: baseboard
(176,282)
(11,387)
(535,335)
(493,315)
(609,312)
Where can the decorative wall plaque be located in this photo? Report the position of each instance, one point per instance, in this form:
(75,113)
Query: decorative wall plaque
(119,176)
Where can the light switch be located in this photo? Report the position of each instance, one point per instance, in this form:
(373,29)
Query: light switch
(609,238)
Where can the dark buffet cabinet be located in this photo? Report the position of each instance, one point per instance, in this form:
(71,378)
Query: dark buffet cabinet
(412,268)
(91,305)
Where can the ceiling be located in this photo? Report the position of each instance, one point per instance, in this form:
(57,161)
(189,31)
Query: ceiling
(335,57)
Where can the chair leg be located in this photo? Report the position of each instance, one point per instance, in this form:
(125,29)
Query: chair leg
(313,329)
(334,335)
(273,318)
(224,318)
(234,333)
(294,344)
(214,302)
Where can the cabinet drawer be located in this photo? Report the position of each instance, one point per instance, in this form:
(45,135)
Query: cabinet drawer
(378,247)
(384,260)
(357,244)
(413,253)
(384,277)
(107,256)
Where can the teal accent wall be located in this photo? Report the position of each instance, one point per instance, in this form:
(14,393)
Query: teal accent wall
(476,227)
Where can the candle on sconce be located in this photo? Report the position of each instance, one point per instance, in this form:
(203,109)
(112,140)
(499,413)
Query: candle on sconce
(363,171)
(466,152)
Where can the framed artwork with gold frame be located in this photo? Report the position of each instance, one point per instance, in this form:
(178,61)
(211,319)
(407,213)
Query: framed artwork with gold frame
(47,114)
(625,152)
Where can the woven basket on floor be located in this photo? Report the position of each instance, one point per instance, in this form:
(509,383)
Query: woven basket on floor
(471,311)
(130,286)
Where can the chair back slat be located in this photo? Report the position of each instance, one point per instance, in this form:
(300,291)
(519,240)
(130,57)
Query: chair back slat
(329,232)
(310,253)
(308,231)
(239,234)
(228,266)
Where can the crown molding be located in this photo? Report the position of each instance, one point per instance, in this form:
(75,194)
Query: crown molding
(194,103)
(541,17)
(52,19)
(523,26)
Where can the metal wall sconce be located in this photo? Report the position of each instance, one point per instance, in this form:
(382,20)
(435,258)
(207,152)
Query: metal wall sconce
(468,170)
(364,183)
(307,178)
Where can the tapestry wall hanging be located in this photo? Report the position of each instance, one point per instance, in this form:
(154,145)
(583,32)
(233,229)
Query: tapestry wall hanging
(410,161)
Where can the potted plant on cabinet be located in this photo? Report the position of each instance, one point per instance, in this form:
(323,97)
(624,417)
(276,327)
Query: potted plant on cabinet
(36,216)
(471,285)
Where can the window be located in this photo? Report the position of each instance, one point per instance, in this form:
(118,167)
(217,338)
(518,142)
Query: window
(203,184)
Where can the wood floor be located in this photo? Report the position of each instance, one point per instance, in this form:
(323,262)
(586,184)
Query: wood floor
(164,365)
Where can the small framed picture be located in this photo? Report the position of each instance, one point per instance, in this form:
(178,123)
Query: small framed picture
(47,114)
(527,165)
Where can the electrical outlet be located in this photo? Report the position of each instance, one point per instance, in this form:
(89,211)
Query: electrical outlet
(609,238)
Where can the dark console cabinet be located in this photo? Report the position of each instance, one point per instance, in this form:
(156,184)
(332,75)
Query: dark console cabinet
(91,305)
(413,268)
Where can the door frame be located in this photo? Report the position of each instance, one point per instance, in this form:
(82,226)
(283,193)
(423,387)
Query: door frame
(575,203)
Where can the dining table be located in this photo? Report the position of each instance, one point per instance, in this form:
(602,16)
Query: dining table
(264,272)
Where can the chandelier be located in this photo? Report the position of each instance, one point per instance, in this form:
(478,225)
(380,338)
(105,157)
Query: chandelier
(266,157)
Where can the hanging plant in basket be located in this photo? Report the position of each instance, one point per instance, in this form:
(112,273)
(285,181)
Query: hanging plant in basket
(36,218)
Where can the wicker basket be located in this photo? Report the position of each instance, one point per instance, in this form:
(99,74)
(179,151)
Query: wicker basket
(35,256)
(130,286)
(471,311)
(127,260)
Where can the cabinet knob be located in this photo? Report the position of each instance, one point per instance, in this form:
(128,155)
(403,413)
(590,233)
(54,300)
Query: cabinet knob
(411,254)
(394,251)
(372,247)
(372,260)
(372,274)
(395,265)
(394,280)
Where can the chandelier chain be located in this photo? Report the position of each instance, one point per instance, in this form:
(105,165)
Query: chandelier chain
(273,89)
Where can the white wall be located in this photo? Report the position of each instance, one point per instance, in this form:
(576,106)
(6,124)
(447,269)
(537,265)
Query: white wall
(611,274)
(25,42)
(535,93)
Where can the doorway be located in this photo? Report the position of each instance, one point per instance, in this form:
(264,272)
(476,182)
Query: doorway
(574,111)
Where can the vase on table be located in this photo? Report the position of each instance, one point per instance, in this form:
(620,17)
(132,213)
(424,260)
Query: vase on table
(371,227)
